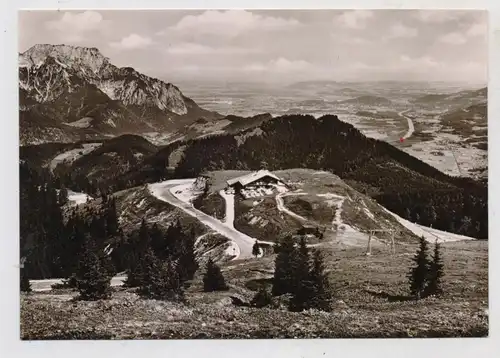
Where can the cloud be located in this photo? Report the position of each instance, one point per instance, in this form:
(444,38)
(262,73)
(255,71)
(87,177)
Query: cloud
(421,66)
(479,29)
(424,62)
(361,66)
(403,63)
(401,31)
(355,19)
(280,65)
(417,68)
(74,27)
(229,23)
(190,48)
(341,38)
(438,16)
(476,69)
(255,67)
(356,40)
(190,68)
(453,38)
(132,41)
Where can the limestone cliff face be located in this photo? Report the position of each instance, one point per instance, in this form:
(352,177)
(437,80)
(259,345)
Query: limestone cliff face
(46,71)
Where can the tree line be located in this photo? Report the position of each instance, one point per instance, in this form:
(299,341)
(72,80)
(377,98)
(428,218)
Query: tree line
(174,249)
(460,211)
(49,242)
(158,265)
(163,267)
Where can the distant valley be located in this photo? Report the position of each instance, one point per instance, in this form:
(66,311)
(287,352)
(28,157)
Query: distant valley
(450,120)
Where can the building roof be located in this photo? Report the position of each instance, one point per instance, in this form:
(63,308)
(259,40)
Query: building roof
(250,178)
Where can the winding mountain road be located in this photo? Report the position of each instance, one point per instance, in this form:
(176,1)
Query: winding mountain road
(229,198)
(165,191)
(411,127)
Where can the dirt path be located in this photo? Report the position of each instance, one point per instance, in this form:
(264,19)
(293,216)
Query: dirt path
(281,205)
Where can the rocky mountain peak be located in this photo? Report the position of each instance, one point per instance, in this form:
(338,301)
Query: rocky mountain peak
(76,57)
(45,67)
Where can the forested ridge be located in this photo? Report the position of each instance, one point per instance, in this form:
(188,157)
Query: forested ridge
(397,180)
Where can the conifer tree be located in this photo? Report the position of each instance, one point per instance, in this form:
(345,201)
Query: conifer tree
(302,285)
(256,249)
(98,226)
(418,274)
(108,264)
(140,244)
(135,273)
(144,238)
(112,225)
(76,231)
(322,294)
(62,196)
(435,272)
(213,280)
(160,279)
(174,238)
(142,273)
(92,280)
(159,242)
(187,265)
(283,280)
(262,298)
(432,215)
(407,214)
(24,281)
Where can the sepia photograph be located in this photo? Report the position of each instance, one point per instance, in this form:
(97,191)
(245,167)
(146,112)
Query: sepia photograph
(253,174)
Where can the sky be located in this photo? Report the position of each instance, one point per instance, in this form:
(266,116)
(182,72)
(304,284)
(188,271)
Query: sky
(276,46)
